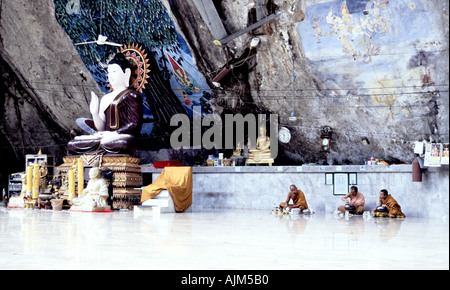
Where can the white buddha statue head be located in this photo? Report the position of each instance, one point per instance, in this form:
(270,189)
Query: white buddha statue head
(119,72)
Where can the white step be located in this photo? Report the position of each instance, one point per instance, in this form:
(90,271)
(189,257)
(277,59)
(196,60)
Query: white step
(163,200)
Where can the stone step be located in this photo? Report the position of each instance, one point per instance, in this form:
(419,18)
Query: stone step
(163,200)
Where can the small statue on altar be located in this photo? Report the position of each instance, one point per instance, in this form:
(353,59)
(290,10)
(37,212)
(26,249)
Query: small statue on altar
(262,152)
(263,141)
(94,196)
(239,155)
(238,151)
(56,185)
(63,190)
(45,194)
(43,176)
(116,119)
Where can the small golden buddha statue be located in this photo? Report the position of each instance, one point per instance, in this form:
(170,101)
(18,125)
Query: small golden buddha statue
(238,151)
(262,152)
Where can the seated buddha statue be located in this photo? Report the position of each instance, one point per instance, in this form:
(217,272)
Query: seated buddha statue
(262,152)
(116,119)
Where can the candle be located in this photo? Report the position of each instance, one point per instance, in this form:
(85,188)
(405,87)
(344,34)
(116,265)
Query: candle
(80,176)
(71,174)
(36,181)
(29,180)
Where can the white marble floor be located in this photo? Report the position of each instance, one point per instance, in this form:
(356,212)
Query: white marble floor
(218,239)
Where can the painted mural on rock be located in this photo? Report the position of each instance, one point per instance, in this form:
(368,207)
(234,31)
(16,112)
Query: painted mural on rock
(383,52)
(174,85)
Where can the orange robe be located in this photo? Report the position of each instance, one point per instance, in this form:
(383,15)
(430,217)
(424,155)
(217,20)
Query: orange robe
(299,199)
(394,208)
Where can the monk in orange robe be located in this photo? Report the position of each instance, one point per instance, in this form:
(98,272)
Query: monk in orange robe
(298,198)
(387,201)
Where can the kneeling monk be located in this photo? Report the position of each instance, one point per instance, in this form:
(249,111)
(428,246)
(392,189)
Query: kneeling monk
(298,198)
(388,206)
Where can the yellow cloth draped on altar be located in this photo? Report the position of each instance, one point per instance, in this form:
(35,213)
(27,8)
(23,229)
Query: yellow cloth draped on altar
(176,180)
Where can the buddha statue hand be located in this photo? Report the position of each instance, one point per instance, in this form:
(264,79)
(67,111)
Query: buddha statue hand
(95,104)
